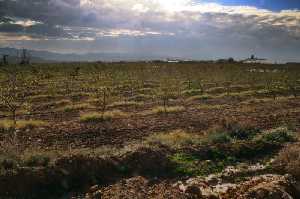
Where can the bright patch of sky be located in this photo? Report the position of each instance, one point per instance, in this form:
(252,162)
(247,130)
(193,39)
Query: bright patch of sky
(275,5)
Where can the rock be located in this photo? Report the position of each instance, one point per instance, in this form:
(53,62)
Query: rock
(212,179)
(94,193)
(194,191)
(263,187)
(182,188)
(212,196)
(94,188)
(97,195)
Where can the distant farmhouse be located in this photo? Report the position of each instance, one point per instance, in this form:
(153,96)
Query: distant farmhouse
(172,60)
(255,60)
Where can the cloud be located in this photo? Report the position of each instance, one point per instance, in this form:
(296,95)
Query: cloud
(162,23)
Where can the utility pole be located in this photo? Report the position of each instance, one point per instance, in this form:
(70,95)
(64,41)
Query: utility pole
(24,57)
(4,59)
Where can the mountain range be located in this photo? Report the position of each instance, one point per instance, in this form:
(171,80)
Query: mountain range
(37,56)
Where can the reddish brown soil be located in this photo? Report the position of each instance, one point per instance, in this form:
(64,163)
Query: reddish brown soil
(65,130)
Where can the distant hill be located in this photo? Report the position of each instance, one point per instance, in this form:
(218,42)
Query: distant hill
(46,56)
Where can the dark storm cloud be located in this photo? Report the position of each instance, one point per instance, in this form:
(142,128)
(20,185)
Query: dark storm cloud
(46,11)
(47,30)
(7,27)
(49,13)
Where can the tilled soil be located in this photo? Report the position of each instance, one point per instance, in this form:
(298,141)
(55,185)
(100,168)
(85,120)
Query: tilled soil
(61,133)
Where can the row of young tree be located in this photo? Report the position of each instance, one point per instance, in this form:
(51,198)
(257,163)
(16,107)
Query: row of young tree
(17,85)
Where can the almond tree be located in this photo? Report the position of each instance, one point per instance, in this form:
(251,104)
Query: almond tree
(103,95)
(13,95)
(293,85)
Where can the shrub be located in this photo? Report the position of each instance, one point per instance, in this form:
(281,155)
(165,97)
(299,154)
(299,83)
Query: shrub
(8,164)
(243,133)
(37,160)
(192,165)
(8,156)
(288,160)
(279,135)
(218,138)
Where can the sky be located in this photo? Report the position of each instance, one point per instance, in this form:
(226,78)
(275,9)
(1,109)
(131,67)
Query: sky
(193,29)
(275,5)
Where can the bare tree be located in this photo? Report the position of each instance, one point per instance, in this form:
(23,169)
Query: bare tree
(293,85)
(13,95)
(103,96)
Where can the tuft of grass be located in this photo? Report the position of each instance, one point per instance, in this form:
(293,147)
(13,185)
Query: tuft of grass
(125,103)
(237,94)
(256,101)
(62,102)
(211,107)
(168,109)
(192,92)
(141,97)
(76,107)
(94,117)
(215,90)
(146,91)
(199,98)
(174,139)
(43,97)
(22,124)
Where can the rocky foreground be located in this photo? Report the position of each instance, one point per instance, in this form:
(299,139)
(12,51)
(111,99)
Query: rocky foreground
(232,183)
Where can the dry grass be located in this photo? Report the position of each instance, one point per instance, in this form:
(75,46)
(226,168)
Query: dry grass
(43,97)
(215,90)
(98,117)
(192,92)
(146,91)
(211,107)
(200,97)
(125,104)
(141,97)
(22,124)
(76,107)
(61,102)
(237,94)
(168,109)
(288,160)
(174,139)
